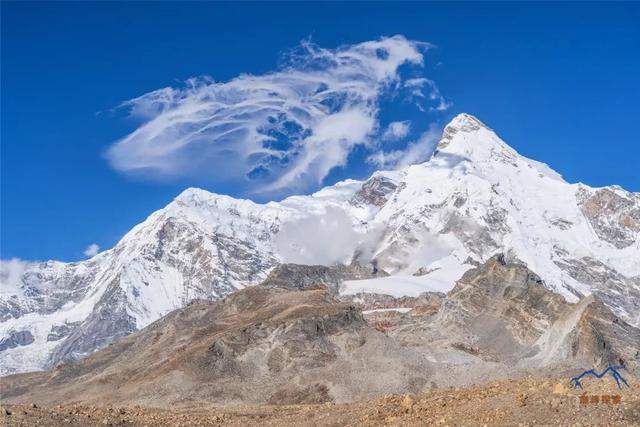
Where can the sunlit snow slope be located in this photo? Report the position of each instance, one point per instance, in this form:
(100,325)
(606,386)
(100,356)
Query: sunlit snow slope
(425,225)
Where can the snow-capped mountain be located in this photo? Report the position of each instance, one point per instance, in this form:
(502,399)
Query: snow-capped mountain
(425,225)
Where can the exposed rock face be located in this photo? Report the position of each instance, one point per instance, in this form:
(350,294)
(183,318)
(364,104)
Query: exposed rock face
(46,288)
(369,301)
(495,312)
(477,239)
(258,345)
(603,339)
(303,277)
(107,322)
(374,192)
(614,215)
(607,284)
(61,331)
(502,312)
(16,339)
(501,293)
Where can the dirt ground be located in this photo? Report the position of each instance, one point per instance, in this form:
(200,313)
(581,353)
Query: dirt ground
(514,402)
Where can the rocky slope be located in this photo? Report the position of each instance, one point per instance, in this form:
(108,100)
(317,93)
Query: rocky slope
(277,345)
(501,313)
(424,226)
(259,345)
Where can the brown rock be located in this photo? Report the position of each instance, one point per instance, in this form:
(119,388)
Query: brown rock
(407,402)
(522,399)
(559,388)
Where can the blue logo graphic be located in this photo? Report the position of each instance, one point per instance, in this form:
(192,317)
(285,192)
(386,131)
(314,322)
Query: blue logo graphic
(614,370)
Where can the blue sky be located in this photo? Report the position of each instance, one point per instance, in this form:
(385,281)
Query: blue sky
(558,81)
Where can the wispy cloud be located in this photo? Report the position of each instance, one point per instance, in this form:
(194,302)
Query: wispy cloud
(92,250)
(416,151)
(417,87)
(279,132)
(396,131)
(11,272)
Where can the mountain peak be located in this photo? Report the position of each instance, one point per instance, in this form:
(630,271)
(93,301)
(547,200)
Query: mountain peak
(463,122)
(191,193)
(194,196)
(467,138)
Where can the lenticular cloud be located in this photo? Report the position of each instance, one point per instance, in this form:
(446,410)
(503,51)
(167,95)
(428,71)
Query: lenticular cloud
(279,132)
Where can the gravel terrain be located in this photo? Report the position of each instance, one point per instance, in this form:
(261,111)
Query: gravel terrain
(528,401)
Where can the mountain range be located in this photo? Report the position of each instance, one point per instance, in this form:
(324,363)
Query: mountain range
(415,234)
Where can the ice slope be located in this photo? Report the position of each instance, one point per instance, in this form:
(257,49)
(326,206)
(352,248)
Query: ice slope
(425,225)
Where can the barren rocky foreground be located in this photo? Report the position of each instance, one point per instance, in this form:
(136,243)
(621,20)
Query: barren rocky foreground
(525,401)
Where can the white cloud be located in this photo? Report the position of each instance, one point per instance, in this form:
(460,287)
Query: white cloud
(396,131)
(417,151)
(415,87)
(92,250)
(11,272)
(304,241)
(279,132)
